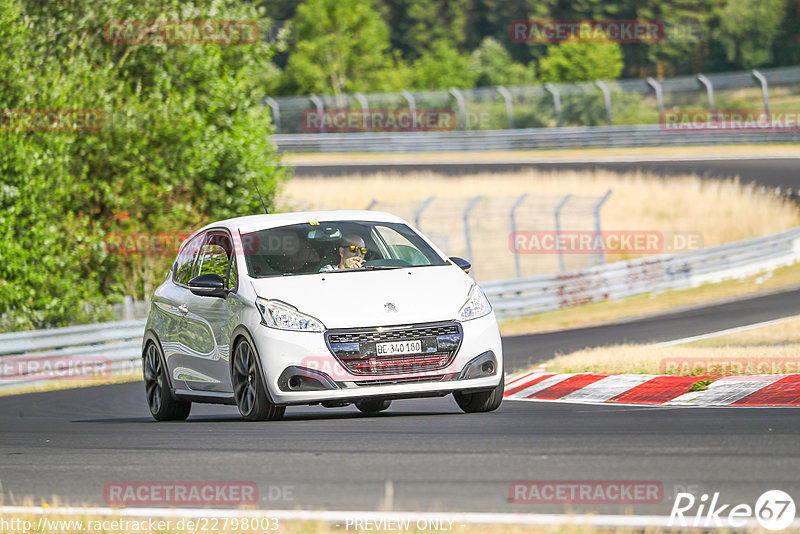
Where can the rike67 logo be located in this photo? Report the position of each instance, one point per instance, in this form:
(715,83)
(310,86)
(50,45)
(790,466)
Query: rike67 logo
(774,510)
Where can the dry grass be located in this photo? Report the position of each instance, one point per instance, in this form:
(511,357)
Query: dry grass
(772,349)
(52,385)
(786,331)
(680,360)
(722,211)
(610,312)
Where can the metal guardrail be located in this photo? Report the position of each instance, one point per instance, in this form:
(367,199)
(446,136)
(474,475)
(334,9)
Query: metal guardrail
(536,294)
(96,351)
(521,139)
(26,356)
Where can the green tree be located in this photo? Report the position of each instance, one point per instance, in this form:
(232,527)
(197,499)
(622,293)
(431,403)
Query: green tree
(416,24)
(339,46)
(574,61)
(182,135)
(441,68)
(747,30)
(492,65)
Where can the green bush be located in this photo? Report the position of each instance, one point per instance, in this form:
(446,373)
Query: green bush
(182,136)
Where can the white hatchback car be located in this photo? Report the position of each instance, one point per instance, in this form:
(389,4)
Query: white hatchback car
(331,308)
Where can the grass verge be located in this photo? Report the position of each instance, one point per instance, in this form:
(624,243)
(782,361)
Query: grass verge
(55,384)
(772,349)
(609,312)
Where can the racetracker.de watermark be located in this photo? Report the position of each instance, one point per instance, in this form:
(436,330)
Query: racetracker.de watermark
(380,120)
(27,367)
(587,31)
(725,366)
(638,242)
(730,120)
(195,493)
(62,120)
(585,492)
(180,32)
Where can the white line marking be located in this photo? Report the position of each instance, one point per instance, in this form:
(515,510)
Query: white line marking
(333,516)
(718,333)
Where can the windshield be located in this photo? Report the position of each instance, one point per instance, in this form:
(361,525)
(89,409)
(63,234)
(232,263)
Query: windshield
(338,246)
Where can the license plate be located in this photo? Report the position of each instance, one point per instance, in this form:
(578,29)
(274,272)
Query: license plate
(393,348)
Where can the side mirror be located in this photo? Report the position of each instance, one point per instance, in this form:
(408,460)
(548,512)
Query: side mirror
(461,262)
(208,285)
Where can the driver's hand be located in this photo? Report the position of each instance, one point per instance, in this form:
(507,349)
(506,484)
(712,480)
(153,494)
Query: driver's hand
(354,262)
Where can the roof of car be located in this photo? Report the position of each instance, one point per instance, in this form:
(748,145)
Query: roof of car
(253,223)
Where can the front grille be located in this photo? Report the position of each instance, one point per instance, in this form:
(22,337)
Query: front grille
(355,349)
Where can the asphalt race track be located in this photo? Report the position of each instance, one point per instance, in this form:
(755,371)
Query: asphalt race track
(71,443)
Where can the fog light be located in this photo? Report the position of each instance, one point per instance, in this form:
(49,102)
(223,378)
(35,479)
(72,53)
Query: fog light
(479,367)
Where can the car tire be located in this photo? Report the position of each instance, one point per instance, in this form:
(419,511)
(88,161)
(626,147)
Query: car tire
(249,387)
(482,401)
(163,406)
(373,406)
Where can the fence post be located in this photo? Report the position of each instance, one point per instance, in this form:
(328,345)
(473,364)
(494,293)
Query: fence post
(364,107)
(422,207)
(412,106)
(659,96)
(513,216)
(553,90)
(276,113)
(598,231)
(557,216)
(509,105)
(317,101)
(468,245)
(709,90)
(760,77)
(606,98)
(462,108)
(372,204)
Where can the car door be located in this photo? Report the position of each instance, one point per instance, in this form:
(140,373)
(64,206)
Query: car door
(170,302)
(210,321)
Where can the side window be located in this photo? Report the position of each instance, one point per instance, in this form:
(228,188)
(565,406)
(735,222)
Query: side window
(400,248)
(216,256)
(186,261)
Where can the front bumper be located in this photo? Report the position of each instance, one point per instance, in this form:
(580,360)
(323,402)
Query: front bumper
(282,353)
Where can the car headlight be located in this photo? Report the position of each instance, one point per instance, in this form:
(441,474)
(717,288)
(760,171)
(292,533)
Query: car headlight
(280,315)
(477,305)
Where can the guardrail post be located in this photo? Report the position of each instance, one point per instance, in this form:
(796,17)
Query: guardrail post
(659,95)
(553,90)
(462,108)
(422,207)
(709,90)
(468,245)
(412,106)
(606,98)
(598,232)
(557,216)
(763,81)
(509,105)
(317,101)
(276,113)
(513,215)
(364,107)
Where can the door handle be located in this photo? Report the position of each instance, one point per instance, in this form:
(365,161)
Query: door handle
(183,309)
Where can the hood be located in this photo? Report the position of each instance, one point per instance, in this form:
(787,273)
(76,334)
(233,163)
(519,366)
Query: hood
(354,299)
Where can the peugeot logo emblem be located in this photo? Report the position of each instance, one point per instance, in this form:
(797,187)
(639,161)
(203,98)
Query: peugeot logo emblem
(390,307)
